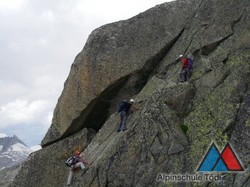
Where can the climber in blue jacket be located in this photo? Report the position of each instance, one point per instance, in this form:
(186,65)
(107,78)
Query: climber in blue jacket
(124,109)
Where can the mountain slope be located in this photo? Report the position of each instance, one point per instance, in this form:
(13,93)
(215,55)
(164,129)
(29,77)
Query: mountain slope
(177,122)
(7,175)
(12,151)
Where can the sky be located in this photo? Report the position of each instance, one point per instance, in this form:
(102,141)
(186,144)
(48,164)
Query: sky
(39,40)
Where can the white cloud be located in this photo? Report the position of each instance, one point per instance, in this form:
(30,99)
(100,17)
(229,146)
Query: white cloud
(2,135)
(27,120)
(22,112)
(9,91)
(48,15)
(13,4)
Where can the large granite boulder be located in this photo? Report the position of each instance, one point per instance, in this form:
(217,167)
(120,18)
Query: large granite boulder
(111,55)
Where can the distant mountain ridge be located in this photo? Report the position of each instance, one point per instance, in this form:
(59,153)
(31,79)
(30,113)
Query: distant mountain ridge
(13,151)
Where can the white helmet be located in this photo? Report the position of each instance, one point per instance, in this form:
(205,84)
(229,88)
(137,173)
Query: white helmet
(180,56)
(131,100)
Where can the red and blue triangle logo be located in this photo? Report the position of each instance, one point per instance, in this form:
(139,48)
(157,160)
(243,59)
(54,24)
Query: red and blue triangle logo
(220,162)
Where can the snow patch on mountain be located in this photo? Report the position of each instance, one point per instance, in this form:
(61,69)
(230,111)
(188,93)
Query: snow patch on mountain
(2,135)
(12,151)
(20,148)
(35,148)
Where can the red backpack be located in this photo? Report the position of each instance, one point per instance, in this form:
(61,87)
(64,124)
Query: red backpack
(184,63)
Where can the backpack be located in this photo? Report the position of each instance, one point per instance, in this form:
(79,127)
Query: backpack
(190,63)
(70,161)
(184,63)
(122,106)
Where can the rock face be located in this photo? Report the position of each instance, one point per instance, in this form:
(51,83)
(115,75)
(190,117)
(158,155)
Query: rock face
(177,122)
(7,175)
(48,164)
(115,54)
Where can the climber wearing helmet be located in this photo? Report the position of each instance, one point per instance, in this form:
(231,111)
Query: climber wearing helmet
(78,162)
(124,108)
